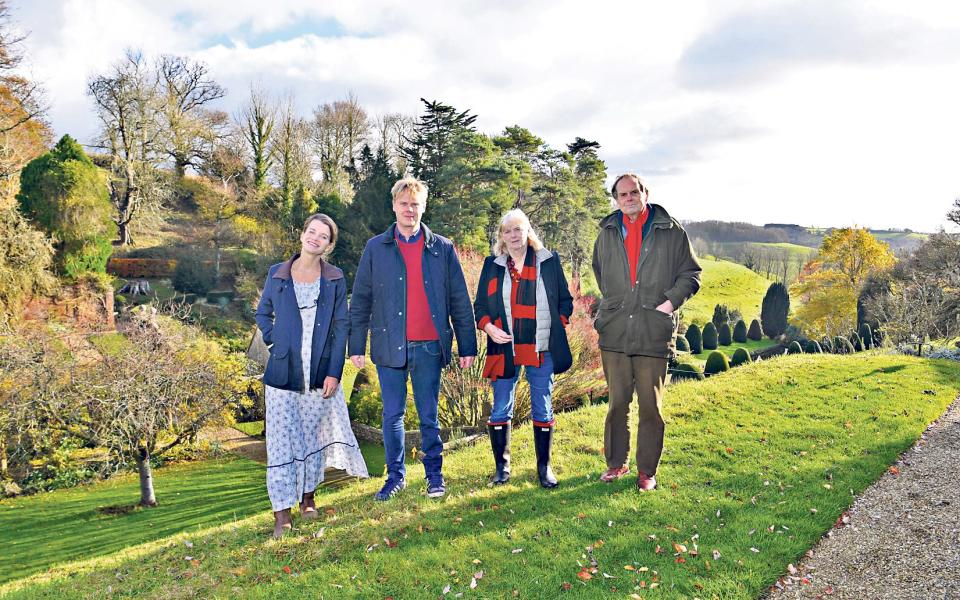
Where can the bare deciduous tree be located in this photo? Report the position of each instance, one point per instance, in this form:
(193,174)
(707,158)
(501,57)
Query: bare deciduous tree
(191,128)
(339,132)
(256,121)
(130,106)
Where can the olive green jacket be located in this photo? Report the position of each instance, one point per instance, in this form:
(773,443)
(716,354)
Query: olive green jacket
(627,319)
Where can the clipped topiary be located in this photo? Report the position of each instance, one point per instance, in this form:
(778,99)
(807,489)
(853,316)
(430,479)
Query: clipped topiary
(710,337)
(866,336)
(755,332)
(682,344)
(723,335)
(827,345)
(740,332)
(774,310)
(721,315)
(685,371)
(716,363)
(694,339)
(856,342)
(794,348)
(812,347)
(842,345)
(740,356)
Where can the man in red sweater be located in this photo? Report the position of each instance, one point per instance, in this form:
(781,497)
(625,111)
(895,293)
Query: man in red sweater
(410,295)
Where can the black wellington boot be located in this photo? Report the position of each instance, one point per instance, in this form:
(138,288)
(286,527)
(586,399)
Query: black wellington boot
(500,442)
(542,440)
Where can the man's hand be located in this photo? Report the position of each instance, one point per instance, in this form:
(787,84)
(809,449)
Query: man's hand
(666,307)
(496,334)
(466,361)
(358,360)
(330,385)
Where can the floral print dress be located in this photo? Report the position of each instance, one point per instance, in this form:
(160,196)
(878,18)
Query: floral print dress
(307,433)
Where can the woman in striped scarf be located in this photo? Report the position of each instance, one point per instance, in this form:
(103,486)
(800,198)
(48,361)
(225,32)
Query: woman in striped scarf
(523,305)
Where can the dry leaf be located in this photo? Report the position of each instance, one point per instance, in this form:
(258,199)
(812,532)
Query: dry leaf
(473,584)
(446,589)
(716,555)
(566,586)
(287,569)
(679,548)
(630,567)
(894,470)
(791,569)
(585,575)
(516,551)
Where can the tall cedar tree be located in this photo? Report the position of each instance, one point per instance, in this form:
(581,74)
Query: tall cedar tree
(774,310)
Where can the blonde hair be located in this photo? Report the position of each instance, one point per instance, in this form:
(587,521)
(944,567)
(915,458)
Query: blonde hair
(412,185)
(334,230)
(533,240)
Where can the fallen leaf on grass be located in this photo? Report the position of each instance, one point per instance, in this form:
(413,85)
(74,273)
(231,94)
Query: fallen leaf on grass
(754,550)
(516,551)
(716,555)
(585,575)
(473,584)
(566,586)
(630,567)
(446,589)
(680,548)
(330,511)
(287,569)
(681,560)
(581,516)
(390,543)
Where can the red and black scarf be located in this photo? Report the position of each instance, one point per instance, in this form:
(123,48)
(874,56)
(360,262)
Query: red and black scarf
(523,310)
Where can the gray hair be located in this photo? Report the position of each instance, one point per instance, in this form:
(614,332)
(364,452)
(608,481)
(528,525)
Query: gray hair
(500,247)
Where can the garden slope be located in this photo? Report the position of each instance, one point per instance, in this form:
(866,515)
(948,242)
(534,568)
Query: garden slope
(759,463)
(724,282)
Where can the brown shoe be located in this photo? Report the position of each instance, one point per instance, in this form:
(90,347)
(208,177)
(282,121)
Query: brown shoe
(646,483)
(281,523)
(308,510)
(614,473)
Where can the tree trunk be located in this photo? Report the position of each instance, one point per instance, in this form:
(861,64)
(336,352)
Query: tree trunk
(147,497)
(3,456)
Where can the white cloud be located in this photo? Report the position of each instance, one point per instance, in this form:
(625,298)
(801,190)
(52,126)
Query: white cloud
(848,115)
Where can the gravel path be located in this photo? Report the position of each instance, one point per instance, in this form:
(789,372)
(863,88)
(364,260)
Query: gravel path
(902,540)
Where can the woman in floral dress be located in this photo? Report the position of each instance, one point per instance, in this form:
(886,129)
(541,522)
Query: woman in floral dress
(302,315)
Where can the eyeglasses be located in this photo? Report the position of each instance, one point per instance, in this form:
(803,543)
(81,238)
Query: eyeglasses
(316,299)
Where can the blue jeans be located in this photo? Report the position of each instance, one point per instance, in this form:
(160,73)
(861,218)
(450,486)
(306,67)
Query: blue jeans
(541,389)
(423,368)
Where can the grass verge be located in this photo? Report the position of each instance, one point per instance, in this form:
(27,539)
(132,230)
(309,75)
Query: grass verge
(759,463)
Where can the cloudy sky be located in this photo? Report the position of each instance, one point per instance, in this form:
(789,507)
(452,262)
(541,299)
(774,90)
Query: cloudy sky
(818,112)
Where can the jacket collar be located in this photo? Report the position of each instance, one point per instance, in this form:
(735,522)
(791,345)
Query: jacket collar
(327,271)
(658,215)
(390,234)
(542,255)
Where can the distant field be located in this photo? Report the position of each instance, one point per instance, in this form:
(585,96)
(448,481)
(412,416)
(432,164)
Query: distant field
(724,282)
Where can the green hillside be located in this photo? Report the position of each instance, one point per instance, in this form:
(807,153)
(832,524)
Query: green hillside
(758,464)
(724,282)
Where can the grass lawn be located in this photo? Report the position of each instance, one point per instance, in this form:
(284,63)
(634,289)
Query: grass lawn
(751,345)
(725,282)
(759,463)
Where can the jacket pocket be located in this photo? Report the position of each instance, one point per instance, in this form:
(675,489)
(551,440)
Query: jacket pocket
(607,311)
(277,373)
(660,328)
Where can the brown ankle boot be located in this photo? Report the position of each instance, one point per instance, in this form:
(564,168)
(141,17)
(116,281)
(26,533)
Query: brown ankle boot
(282,523)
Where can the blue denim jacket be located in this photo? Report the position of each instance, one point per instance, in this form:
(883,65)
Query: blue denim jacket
(379,300)
(278,317)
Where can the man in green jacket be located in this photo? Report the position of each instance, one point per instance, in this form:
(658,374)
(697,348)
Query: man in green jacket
(646,270)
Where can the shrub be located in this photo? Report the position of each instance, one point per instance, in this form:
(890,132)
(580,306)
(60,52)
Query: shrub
(721,315)
(740,356)
(812,347)
(66,195)
(794,348)
(710,337)
(866,336)
(716,363)
(755,332)
(686,371)
(25,257)
(723,334)
(826,344)
(740,332)
(193,276)
(694,339)
(774,310)
(842,345)
(682,344)
(856,342)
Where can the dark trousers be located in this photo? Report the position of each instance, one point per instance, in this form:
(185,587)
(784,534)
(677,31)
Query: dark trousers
(625,375)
